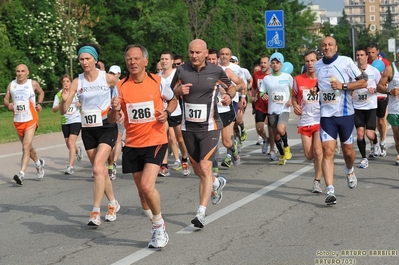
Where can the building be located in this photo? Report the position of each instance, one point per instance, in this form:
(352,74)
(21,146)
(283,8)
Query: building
(323,16)
(371,12)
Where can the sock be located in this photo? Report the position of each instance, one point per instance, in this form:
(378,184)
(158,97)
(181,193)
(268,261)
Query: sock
(111,166)
(382,143)
(216,184)
(201,209)
(149,214)
(178,160)
(361,144)
(215,170)
(165,165)
(22,173)
(96,209)
(157,218)
(242,126)
(184,159)
(280,147)
(38,164)
(347,170)
(113,202)
(285,139)
(317,180)
(375,141)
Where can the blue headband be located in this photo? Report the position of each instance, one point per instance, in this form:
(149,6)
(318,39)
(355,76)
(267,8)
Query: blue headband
(90,50)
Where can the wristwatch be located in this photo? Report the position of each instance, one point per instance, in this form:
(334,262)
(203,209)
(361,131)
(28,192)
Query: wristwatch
(345,86)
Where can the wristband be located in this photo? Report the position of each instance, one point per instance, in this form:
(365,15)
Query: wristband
(39,103)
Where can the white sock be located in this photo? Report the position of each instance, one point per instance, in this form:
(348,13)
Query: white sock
(201,209)
(96,209)
(113,202)
(148,213)
(38,164)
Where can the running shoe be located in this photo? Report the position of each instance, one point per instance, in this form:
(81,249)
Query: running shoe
(94,219)
(110,173)
(217,195)
(185,169)
(243,135)
(164,172)
(371,154)
(273,156)
(282,160)
(19,178)
(364,163)
(377,150)
(383,149)
(287,153)
(69,170)
(236,158)
(227,161)
(79,154)
(40,169)
(160,237)
(199,220)
(177,165)
(265,146)
(351,180)
(259,141)
(316,187)
(113,175)
(331,199)
(112,210)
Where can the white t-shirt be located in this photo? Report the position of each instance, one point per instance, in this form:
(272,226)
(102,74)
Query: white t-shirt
(278,88)
(362,99)
(237,70)
(336,103)
(168,81)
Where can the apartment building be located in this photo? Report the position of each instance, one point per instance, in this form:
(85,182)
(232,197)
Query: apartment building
(371,12)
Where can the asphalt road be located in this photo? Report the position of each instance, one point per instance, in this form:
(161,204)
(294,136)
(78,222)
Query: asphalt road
(267,216)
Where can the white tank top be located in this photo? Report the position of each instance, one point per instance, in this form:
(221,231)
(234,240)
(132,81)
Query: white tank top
(169,79)
(95,98)
(24,99)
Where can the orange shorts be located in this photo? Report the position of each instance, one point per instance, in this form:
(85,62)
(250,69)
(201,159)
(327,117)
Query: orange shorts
(22,127)
(308,130)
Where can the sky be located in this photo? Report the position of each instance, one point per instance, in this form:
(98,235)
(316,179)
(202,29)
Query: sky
(328,5)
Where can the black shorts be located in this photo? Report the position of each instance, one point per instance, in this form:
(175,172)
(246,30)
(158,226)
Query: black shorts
(228,117)
(92,137)
(201,145)
(382,107)
(260,116)
(134,159)
(72,128)
(366,118)
(174,121)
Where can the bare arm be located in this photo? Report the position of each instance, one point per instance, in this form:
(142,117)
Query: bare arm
(6,100)
(39,91)
(240,86)
(67,95)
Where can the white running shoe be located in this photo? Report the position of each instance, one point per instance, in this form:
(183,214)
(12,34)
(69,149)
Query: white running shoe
(112,210)
(265,146)
(199,220)
(79,154)
(177,165)
(40,169)
(259,141)
(19,178)
(217,195)
(351,180)
(316,187)
(383,149)
(364,163)
(94,219)
(185,169)
(273,156)
(377,150)
(69,170)
(160,237)
(331,199)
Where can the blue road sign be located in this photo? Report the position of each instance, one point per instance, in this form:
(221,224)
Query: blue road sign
(275,38)
(274,19)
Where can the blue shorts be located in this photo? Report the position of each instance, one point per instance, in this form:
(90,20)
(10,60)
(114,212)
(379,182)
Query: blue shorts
(330,127)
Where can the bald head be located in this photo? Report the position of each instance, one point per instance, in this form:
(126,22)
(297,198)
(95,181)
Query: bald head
(329,47)
(21,72)
(197,52)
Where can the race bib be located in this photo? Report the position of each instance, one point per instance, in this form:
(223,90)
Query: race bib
(364,97)
(309,98)
(21,107)
(331,96)
(278,97)
(72,109)
(195,112)
(91,118)
(140,112)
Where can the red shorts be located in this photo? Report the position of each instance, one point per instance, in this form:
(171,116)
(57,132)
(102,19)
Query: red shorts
(308,130)
(22,127)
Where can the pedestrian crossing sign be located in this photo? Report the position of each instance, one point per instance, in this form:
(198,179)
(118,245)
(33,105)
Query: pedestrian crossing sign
(274,19)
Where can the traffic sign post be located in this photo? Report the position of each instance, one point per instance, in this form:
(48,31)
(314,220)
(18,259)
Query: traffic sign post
(275,35)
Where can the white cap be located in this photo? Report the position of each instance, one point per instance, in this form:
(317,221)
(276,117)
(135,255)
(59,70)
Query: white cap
(115,69)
